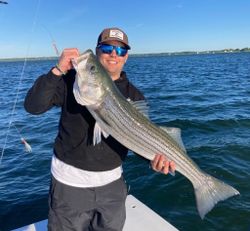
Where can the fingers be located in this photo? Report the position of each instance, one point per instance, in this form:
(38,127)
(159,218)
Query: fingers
(161,164)
(155,161)
(172,168)
(67,55)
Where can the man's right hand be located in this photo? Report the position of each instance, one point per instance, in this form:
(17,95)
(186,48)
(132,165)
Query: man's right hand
(64,63)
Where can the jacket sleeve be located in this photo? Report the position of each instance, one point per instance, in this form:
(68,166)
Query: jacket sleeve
(47,91)
(134,93)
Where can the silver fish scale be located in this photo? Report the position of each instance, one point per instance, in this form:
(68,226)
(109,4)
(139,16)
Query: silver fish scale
(141,136)
(122,129)
(117,117)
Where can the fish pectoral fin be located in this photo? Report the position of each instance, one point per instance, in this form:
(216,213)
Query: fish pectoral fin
(175,133)
(98,132)
(141,105)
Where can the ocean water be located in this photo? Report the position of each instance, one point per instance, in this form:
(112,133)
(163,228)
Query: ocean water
(207,96)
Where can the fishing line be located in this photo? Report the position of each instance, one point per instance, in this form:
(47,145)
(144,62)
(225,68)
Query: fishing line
(53,42)
(20,82)
(25,143)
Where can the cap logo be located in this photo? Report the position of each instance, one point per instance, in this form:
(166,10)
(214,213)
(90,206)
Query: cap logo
(116,34)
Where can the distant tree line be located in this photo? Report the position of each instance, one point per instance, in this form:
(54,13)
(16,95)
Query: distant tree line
(229,50)
(246,49)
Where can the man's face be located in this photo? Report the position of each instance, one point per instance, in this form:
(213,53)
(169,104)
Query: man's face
(112,62)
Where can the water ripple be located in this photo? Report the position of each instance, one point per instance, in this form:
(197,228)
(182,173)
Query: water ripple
(207,96)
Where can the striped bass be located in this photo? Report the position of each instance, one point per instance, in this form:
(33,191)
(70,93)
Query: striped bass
(121,119)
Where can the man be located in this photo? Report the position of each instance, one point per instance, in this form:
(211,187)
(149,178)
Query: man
(87,188)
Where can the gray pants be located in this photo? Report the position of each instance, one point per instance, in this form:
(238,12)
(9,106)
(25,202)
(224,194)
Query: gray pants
(87,209)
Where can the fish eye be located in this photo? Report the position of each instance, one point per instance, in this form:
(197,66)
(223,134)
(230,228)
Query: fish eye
(92,68)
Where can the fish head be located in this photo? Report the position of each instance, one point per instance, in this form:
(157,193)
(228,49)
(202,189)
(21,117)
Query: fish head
(88,86)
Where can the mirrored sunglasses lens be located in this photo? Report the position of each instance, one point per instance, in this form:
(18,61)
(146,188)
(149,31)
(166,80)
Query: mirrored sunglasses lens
(107,49)
(121,51)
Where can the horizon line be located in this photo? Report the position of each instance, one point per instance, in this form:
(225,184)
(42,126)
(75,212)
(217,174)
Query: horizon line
(225,50)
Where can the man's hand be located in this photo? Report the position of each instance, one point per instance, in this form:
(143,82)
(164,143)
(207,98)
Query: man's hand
(64,63)
(161,164)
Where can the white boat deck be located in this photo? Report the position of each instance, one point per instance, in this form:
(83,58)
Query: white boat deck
(139,217)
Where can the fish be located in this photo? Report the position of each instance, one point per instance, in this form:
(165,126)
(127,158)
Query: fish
(128,123)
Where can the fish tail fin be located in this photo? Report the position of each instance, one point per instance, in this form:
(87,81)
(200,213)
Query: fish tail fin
(210,192)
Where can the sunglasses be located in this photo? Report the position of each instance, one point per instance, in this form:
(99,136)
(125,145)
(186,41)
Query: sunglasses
(107,49)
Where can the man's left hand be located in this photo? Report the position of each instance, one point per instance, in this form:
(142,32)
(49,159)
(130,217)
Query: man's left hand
(160,163)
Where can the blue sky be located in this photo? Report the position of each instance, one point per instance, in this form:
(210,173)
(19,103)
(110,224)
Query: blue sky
(27,26)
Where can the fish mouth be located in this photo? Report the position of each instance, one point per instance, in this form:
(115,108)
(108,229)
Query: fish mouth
(83,58)
(86,54)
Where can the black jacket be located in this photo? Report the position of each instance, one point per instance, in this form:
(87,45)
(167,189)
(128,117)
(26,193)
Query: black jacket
(73,144)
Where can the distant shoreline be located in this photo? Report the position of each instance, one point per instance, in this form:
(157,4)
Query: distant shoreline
(225,51)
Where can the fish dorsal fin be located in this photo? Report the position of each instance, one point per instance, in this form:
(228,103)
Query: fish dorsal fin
(141,105)
(98,132)
(175,133)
